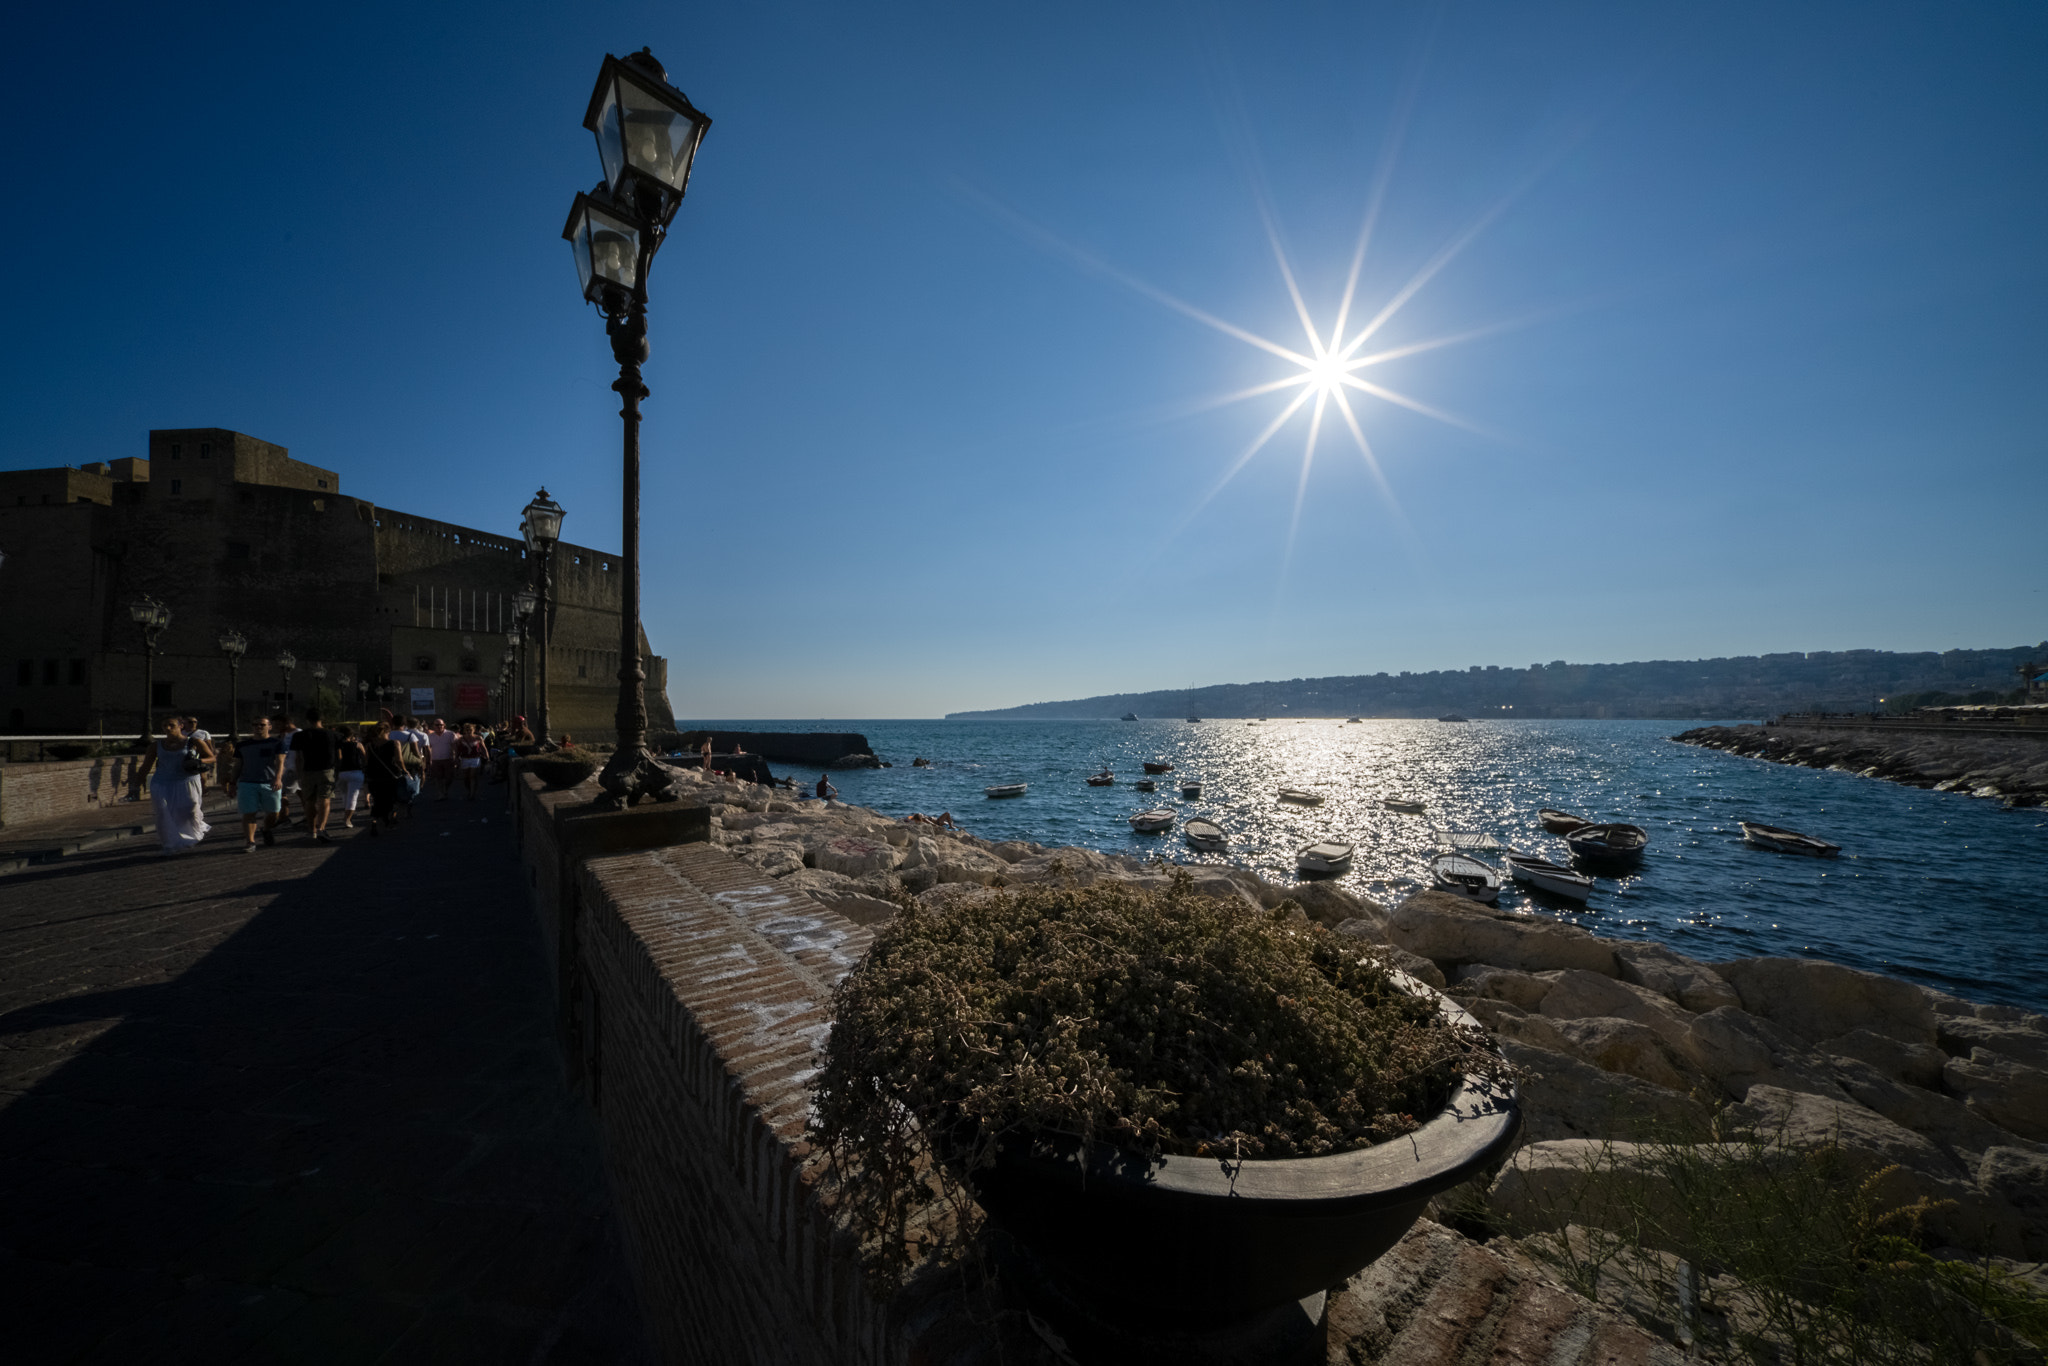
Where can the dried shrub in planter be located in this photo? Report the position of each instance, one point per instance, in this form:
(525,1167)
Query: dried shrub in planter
(1161,1022)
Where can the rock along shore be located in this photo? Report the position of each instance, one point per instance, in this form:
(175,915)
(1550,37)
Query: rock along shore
(1620,1040)
(2012,771)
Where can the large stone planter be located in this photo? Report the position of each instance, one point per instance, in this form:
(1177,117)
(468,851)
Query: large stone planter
(1191,1258)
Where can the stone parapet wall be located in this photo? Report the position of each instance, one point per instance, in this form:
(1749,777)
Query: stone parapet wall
(57,788)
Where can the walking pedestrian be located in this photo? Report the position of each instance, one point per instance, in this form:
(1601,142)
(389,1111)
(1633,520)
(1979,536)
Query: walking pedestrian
(348,774)
(313,748)
(441,756)
(175,768)
(259,784)
(193,731)
(284,728)
(384,774)
(472,751)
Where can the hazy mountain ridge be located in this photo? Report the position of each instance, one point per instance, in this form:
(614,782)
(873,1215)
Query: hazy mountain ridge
(1746,685)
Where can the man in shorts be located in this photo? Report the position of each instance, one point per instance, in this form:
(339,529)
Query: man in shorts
(441,755)
(259,789)
(313,753)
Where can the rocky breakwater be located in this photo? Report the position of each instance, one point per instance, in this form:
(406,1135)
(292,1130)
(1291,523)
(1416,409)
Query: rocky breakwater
(2014,771)
(806,749)
(1621,1041)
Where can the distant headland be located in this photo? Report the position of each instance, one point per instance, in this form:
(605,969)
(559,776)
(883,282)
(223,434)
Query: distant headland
(1690,689)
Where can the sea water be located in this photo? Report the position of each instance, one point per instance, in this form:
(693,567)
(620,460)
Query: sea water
(1937,887)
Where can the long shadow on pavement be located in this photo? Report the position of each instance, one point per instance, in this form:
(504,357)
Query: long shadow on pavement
(304,1105)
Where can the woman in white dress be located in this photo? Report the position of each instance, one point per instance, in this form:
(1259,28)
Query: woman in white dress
(176,787)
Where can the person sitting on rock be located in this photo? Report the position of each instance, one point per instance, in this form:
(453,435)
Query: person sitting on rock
(825,788)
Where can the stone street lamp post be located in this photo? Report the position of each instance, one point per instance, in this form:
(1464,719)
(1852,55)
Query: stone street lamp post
(542,523)
(286,662)
(152,616)
(319,676)
(647,137)
(362,697)
(234,645)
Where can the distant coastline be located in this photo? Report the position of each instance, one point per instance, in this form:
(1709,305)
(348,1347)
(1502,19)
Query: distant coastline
(1657,690)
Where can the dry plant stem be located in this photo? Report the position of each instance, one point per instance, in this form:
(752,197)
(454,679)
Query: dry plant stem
(1161,1023)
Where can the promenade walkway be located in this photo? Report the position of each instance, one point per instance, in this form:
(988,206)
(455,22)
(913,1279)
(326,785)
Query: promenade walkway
(298,1106)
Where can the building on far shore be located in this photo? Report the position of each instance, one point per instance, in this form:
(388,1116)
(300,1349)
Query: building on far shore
(232,534)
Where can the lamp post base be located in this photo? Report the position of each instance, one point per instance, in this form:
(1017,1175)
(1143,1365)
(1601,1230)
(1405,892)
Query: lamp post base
(633,773)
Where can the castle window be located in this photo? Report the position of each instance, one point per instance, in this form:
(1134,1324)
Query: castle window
(583,671)
(238,550)
(77,671)
(469,664)
(321,482)
(177,486)
(49,671)
(25,672)
(160,695)
(205,450)
(423,663)
(177,451)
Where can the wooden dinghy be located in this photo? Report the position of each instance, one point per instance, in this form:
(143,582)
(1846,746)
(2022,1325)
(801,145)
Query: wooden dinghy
(1617,843)
(1787,841)
(1559,822)
(1546,876)
(1205,835)
(1300,798)
(1324,858)
(1463,875)
(1146,785)
(1102,779)
(1153,766)
(1153,822)
(1190,788)
(1006,790)
(1414,806)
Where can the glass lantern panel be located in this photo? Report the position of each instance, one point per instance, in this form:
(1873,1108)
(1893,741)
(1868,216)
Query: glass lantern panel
(614,249)
(610,148)
(660,139)
(580,245)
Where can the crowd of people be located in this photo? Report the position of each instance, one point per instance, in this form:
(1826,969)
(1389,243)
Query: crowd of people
(327,771)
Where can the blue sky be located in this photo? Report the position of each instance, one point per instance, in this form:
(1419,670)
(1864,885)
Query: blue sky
(1758,293)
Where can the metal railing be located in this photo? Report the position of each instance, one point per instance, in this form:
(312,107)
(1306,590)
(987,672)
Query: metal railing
(87,746)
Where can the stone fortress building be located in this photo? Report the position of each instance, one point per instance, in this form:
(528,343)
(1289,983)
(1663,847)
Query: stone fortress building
(232,534)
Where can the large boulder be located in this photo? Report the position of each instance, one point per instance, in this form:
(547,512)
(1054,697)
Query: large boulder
(964,863)
(854,856)
(2018,1179)
(1450,930)
(1945,1120)
(1918,1064)
(1328,904)
(1687,981)
(950,895)
(1563,1097)
(1216,887)
(1578,994)
(2021,1037)
(1578,1181)
(1617,1045)
(2009,1094)
(1524,990)
(1815,1000)
(1014,851)
(776,858)
(1415,965)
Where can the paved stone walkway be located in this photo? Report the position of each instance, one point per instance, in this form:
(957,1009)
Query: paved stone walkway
(303,1105)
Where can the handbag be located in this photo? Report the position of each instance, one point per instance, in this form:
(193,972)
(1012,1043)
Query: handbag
(193,764)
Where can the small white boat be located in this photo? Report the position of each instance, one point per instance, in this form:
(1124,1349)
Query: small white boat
(1616,843)
(1546,876)
(1787,841)
(1324,857)
(1465,876)
(1559,822)
(1414,806)
(1146,785)
(1468,841)
(1453,716)
(1102,779)
(1130,716)
(1006,790)
(1158,766)
(1352,720)
(1190,788)
(1300,798)
(1205,835)
(1152,822)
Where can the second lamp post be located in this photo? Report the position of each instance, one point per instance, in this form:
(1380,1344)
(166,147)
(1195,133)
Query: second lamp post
(152,616)
(542,525)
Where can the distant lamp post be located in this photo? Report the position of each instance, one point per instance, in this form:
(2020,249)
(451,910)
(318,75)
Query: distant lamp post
(286,662)
(234,645)
(523,603)
(647,135)
(319,672)
(362,695)
(152,616)
(542,523)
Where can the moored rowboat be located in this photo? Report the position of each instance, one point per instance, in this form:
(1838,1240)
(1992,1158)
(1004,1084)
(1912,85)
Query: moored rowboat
(1102,779)
(1299,797)
(1006,790)
(1412,805)
(1146,785)
(1152,822)
(1546,876)
(1559,822)
(1615,843)
(1190,788)
(1324,857)
(1205,835)
(1787,841)
(1151,767)
(1463,875)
